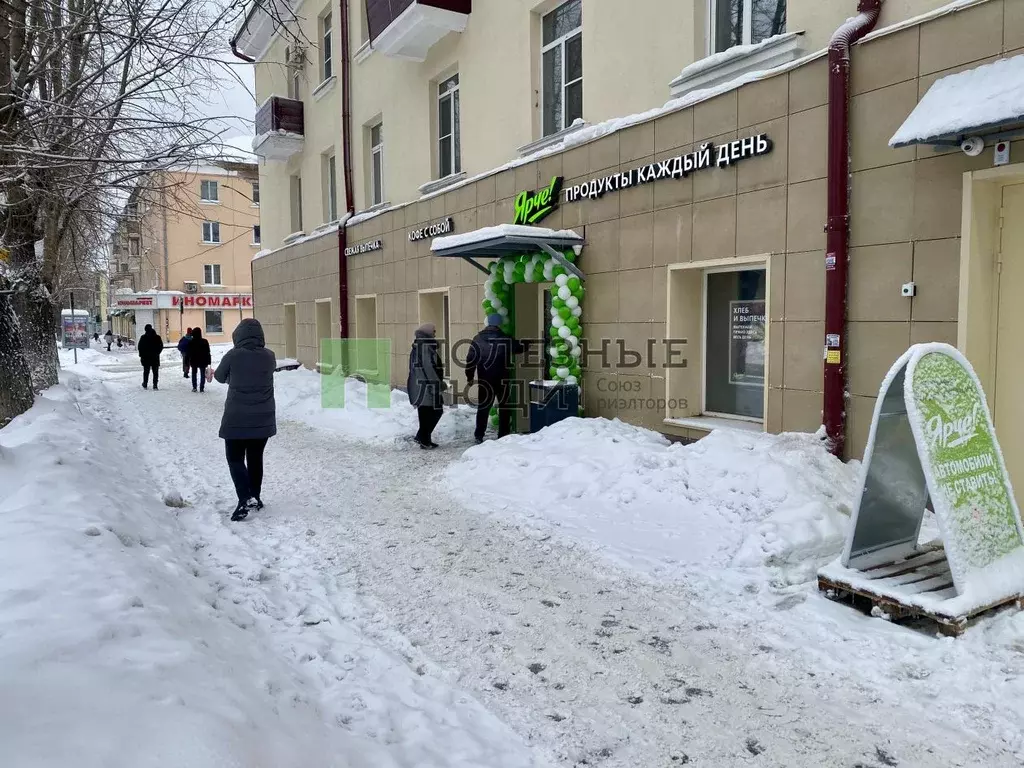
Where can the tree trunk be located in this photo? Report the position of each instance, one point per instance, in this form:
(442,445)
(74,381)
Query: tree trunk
(35,316)
(15,380)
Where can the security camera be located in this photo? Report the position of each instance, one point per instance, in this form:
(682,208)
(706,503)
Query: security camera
(909,289)
(972,146)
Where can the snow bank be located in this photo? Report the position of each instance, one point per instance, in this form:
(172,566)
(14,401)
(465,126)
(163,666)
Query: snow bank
(299,398)
(114,647)
(732,500)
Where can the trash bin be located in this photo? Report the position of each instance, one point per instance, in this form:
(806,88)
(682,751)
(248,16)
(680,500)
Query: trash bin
(552,401)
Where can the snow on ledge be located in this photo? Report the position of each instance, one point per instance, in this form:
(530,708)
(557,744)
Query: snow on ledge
(729,64)
(979,98)
(502,230)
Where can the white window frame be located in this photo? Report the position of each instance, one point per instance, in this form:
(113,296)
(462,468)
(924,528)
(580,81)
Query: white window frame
(377,150)
(560,42)
(257,235)
(743,267)
(137,243)
(212,271)
(204,185)
(748,24)
(327,47)
(211,228)
(456,135)
(331,183)
(256,193)
(206,320)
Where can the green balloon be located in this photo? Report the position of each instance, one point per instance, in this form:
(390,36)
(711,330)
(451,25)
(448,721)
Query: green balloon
(557,303)
(565,313)
(562,347)
(570,256)
(574,283)
(561,360)
(573,323)
(558,270)
(553,371)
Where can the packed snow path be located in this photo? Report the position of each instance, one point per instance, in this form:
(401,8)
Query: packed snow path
(588,665)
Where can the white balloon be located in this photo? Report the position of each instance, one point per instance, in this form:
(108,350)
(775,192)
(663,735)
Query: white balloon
(561,280)
(577,311)
(564,292)
(573,341)
(557,321)
(564,332)
(548,274)
(562,372)
(503,311)
(496,303)
(572,302)
(554,312)
(571,380)
(552,351)
(575,351)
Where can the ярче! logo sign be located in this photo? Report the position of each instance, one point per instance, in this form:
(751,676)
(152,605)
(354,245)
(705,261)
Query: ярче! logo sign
(532,207)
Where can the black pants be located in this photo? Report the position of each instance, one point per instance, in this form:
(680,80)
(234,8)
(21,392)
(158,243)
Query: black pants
(202,378)
(108,345)
(146,368)
(429,416)
(245,460)
(185,366)
(489,393)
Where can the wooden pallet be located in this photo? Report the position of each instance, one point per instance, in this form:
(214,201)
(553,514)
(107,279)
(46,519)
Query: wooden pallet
(927,573)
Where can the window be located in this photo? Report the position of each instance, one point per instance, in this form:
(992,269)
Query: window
(734,343)
(122,267)
(131,210)
(295,197)
(562,67)
(256,193)
(211,232)
(208,191)
(377,164)
(134,246)
(745,22)
(449,140)
(214,321)
(211,274)
(293,70)
(256,234)
(326,49)
(329,186)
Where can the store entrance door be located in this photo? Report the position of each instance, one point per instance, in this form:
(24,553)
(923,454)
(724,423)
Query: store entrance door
(1008,405)
(529,311)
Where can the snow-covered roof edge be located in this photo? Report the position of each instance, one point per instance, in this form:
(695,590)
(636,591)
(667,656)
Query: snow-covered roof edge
(501,230)
(316,234)
(913,21)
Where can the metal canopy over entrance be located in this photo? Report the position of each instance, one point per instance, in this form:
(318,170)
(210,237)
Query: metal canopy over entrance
(987,102)
(506,240)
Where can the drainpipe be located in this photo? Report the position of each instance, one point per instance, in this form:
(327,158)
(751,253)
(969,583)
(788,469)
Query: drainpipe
(346,160)
(837,228)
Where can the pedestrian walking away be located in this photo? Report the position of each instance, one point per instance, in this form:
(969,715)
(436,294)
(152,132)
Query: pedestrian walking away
(183,343)
(109,338)
(250,417)
(150,347)
(490,360)
(199,358)
(426,383)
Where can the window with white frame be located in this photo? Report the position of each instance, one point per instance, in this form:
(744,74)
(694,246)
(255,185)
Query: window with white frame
(134,246)
(326,48)
(256,238)
(208,192)
(330,187)
(255,193)
(211,274)
(745,22)
(295,202)
(211,232)
(214,321)
(377,164)
(562,67)
(449,138)
(293,72)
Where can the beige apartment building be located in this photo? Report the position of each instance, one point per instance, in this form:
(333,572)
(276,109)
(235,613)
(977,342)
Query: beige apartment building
(724,264)
(182,254)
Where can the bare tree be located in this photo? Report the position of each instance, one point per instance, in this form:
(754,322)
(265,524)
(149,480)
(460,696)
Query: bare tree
(94,95)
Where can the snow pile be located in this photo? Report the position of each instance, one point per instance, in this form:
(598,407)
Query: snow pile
(299,396)
(986,96)
(502,230)
(736,53)
(114,647)
(732,500)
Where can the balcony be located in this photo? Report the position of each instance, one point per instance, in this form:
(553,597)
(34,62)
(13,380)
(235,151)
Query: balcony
(407,29)
(280,127)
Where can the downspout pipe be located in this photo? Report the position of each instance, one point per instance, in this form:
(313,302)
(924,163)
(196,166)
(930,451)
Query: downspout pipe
(346,163)
(837,227)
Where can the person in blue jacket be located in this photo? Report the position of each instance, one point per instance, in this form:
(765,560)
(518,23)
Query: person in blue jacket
(183,343)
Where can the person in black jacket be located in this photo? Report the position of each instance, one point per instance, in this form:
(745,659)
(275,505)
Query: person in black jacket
(199,358)
(250,417)
(183,343)
(426,383)
(490,359)
(150,347)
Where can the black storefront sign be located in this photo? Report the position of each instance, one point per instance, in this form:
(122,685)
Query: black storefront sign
(438,228)
(373,245)
(674,168)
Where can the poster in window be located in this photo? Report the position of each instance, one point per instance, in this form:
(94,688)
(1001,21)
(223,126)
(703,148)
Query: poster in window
(747,342)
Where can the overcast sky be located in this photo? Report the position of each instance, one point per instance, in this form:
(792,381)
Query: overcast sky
(234,99)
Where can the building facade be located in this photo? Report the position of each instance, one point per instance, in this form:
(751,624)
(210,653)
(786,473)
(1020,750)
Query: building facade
(182,252)
(724,264)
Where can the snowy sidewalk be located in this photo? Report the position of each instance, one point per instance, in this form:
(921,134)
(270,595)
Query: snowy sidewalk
(402,610)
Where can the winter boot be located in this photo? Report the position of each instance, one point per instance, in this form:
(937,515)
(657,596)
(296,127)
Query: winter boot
(243,509)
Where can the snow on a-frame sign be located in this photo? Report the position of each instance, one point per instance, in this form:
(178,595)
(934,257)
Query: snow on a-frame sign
(932,437)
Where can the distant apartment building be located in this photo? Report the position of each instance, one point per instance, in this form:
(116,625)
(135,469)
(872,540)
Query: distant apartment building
(182,251)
